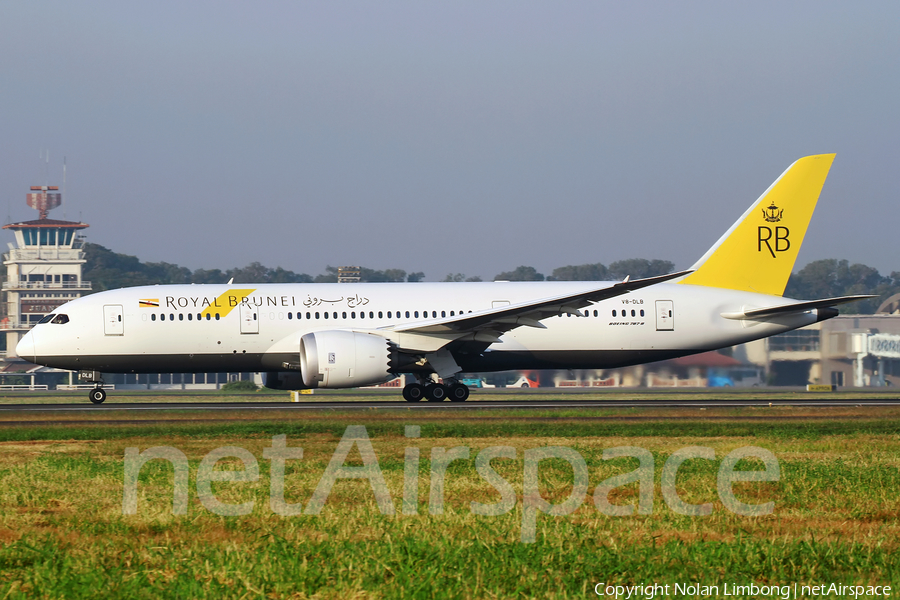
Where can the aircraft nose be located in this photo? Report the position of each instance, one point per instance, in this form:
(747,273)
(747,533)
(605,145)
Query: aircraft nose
(25,347)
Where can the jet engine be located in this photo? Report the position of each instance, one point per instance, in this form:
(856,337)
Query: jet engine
(283,380)
(342,359)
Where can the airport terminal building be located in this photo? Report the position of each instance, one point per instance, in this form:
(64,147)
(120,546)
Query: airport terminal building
(846,351)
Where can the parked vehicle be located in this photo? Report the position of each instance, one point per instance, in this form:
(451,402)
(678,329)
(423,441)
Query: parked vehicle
(523,382)
(476,383)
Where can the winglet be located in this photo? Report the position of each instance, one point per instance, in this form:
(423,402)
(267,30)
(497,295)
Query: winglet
(758,252)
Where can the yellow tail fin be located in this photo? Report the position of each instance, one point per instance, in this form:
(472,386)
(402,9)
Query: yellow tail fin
(757,253)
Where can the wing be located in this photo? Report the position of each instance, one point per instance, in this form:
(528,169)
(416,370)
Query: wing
(489,325)
(797,307)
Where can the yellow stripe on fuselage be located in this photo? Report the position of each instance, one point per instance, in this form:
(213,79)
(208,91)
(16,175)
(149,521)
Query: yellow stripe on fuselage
(758,253)
(227,302)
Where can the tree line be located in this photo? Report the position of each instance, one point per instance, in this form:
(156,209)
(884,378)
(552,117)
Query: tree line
(108,270)
(819,279)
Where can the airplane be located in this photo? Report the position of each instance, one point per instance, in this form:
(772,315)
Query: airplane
(303,336)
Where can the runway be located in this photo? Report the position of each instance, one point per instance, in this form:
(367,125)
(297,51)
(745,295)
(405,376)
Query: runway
(462,407)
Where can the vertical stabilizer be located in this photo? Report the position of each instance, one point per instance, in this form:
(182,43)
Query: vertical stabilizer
(758,252)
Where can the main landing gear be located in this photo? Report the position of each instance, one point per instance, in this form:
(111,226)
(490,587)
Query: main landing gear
(435,392)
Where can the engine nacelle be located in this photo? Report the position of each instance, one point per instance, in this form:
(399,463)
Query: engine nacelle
(283,380)
(342,359)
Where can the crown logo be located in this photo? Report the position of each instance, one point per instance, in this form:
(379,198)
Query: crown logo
(773,213)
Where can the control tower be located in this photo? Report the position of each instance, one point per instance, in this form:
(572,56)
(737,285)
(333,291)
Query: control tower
(43,269)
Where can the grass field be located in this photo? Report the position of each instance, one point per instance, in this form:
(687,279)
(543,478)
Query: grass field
(63,533)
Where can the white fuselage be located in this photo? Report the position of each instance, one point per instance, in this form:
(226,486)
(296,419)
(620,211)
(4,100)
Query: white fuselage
(202,328)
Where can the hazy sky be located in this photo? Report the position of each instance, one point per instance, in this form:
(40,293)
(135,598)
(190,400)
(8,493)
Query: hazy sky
(458,136)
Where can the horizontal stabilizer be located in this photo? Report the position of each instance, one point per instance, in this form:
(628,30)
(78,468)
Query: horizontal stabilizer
(798,307)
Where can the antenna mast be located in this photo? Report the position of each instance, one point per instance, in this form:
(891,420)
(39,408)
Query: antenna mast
(64,183)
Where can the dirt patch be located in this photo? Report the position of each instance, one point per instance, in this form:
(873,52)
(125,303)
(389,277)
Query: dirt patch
(8,536)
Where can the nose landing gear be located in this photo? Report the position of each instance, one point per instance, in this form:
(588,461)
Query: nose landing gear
(97,395)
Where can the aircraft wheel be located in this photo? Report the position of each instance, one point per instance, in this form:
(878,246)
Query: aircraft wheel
(98,395)
(436,392)
(413,392)
(458,392)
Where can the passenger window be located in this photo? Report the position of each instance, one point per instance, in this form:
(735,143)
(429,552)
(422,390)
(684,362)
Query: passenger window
(181,316)
(614,312)
(642,312)
(371,315)
(334,314)
(190,316)
(389,314)
(153,317)
(317,315)
(380,315)
(407,314)
(353,315)
(217,316)
(632,312)
(290,316)
(208,316)
(417,314)
(308,315)
(326,315)
(362,314)
(171,316)
(451,313)
(443,313)
(344,315)
(595,313)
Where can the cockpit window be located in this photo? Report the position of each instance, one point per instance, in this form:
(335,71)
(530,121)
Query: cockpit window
(60,319)
(46,319)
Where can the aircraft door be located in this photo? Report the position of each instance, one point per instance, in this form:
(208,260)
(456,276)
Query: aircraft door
(249,318)
(665,315)
(113,319)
